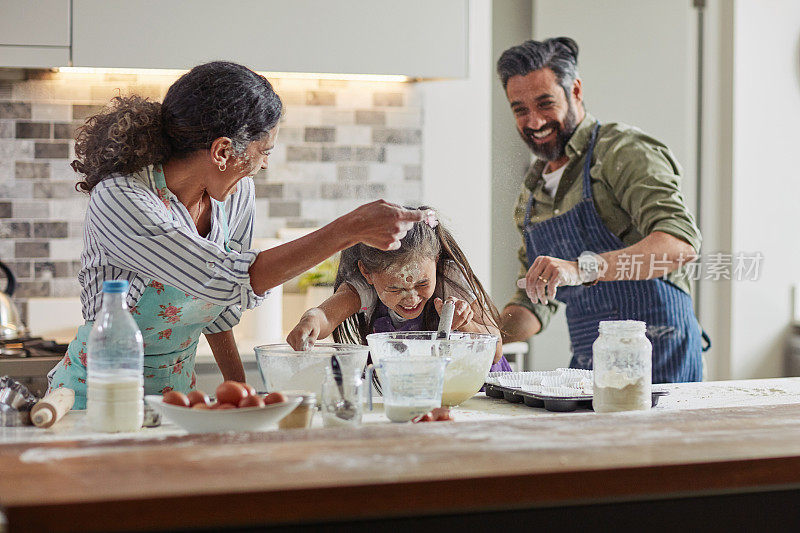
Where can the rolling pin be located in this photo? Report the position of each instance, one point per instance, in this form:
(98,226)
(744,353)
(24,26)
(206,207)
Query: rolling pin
(52,407)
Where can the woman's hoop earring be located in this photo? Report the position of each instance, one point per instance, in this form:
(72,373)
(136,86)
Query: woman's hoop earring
(223,166)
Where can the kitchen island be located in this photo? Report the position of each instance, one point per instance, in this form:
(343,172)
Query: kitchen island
(712,453)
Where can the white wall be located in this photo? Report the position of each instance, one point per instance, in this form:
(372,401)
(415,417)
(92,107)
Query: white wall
(637,61)
(457,145)
(717,168)
(473,159)
(766,179)
(511,25)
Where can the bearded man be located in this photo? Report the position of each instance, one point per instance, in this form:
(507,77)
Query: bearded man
(602,219)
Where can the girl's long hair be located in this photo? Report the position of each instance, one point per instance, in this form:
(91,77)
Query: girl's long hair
(213,100)
(420,242)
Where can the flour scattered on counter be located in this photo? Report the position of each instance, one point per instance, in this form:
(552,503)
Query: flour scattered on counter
(242,452)
(341,461)
(45,455)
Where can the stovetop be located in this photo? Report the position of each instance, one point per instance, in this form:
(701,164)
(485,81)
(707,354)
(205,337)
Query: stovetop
(26,347)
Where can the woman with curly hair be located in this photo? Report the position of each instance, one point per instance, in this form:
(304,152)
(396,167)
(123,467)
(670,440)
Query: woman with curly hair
(171,210)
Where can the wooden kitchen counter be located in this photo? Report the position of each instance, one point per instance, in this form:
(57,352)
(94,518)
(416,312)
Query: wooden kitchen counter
(511,463)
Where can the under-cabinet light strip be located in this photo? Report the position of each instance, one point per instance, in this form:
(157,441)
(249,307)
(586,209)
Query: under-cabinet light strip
(287,75)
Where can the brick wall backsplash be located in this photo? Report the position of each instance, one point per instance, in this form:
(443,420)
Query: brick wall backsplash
(340,144)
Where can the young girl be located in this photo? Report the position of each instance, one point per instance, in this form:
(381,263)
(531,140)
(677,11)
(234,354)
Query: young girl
(401,290)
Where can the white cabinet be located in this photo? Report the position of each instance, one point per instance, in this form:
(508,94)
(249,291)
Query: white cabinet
(418,38)
(34,34)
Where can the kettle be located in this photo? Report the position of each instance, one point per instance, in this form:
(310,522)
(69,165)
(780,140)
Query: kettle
(11,327)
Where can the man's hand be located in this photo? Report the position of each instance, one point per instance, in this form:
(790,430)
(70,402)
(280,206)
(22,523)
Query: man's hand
(545,275)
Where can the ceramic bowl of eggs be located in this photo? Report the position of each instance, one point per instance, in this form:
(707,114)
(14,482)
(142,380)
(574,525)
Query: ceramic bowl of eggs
(236,407)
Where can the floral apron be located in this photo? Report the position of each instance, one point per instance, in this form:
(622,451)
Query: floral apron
(170,320)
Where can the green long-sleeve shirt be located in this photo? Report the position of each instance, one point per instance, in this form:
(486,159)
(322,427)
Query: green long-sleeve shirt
(636,188)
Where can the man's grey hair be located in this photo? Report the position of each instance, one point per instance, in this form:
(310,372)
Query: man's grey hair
(559,54)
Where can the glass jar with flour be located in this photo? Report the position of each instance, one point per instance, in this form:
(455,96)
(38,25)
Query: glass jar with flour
(623,360)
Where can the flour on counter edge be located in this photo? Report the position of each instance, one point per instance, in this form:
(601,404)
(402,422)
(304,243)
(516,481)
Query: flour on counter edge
(349,461)
(44,455)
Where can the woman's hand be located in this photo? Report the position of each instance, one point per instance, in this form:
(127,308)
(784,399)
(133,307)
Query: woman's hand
(547,273)
(463,314)
(382,225)
(378,224)
(306,332)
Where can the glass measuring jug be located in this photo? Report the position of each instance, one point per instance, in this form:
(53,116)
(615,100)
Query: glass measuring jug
(411,386)
(333,396)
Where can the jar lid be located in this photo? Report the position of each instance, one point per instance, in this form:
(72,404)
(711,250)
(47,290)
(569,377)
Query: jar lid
(622,327)
(309,398)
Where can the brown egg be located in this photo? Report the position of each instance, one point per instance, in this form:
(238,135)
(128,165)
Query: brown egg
(201,406)
(441,413)
(252,401)
(275,397)
(174,397)
(250,389)
(231,392)
(223,406)
(423,418)
(198,397)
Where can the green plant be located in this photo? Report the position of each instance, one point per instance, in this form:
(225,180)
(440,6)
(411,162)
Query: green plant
(324,274)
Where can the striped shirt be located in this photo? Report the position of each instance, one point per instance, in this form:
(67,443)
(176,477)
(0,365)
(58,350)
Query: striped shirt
(131,234)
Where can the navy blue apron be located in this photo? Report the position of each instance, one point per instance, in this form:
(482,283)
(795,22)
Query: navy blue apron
(668,311)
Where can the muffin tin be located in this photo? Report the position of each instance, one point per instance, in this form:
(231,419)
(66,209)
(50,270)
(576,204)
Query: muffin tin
(560,404)
(565,382)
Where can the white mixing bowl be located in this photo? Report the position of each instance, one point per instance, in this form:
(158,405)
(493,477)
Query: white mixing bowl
(471,356)
(282,368)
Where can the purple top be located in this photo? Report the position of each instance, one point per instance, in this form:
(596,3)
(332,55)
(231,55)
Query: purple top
(383,322)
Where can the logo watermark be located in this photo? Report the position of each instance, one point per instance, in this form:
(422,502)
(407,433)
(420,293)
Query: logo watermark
(741,266)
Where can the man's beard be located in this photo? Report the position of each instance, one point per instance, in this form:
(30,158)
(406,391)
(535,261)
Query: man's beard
(554,149)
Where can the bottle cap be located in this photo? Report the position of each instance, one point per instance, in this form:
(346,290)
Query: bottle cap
(115,286)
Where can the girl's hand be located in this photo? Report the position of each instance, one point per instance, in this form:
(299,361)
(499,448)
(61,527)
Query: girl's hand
(381,225)
(463,312)
(546,274)
(306,332)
